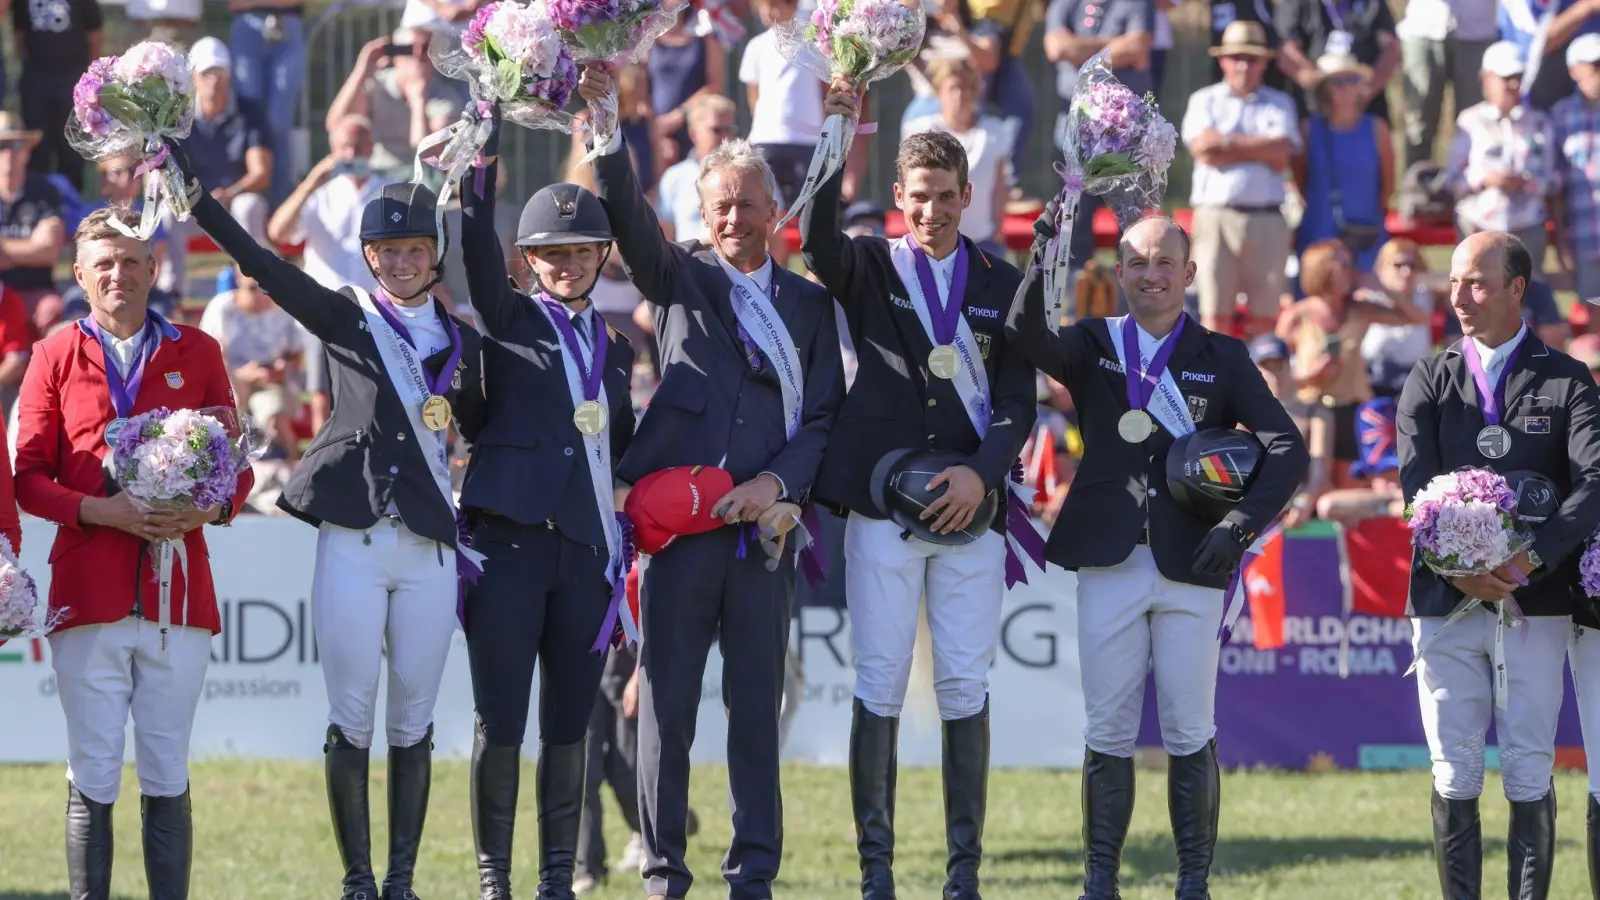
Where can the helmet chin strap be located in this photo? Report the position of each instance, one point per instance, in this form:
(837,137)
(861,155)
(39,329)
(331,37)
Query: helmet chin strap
(581,298)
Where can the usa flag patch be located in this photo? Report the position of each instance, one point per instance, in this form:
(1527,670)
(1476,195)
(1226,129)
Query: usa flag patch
(174,380)
(1536,424)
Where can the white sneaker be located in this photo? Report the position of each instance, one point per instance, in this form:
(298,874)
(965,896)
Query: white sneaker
(585,884)
(632,858)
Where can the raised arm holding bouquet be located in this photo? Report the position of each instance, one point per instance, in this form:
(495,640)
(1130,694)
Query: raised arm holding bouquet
(853,42)
(611,33)
(135,102)
(1119,146)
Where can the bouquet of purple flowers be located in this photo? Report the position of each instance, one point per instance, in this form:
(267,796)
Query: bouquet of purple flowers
(20,615)
(188,459)
(134,103)
(861,40)
(1118,146)
(612,33)
(511,55)
(1589,570)
(1463,523)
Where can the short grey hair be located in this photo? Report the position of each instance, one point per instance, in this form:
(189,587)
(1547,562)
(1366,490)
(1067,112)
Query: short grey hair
(738,155)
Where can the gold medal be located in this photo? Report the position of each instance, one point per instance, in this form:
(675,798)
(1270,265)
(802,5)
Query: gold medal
(436,413)
(590,417)
(944,362)
(1135,426)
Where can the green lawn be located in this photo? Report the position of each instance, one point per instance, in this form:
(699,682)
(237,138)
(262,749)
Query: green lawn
(262,831)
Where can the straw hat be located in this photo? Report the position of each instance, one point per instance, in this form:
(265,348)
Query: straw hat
(11,129)
(1243,39)
(1332,65)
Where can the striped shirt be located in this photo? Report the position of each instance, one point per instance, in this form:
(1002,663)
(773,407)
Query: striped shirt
(1575,124)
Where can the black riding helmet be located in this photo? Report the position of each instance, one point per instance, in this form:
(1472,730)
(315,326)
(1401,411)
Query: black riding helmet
(565,214)
(405,210)
(900,491)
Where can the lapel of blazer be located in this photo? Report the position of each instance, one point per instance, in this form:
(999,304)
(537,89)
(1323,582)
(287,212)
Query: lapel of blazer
(1528,364)
(1193,340)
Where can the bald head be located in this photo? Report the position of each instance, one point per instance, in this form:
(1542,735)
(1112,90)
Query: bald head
(1489,275)
(1158,228)
(1154,269)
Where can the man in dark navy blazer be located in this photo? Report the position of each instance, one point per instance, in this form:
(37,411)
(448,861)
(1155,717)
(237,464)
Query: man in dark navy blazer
(1498,399)
(750,381)
(913,306)
(1151,571)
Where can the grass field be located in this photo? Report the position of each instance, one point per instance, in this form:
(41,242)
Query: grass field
(262,831)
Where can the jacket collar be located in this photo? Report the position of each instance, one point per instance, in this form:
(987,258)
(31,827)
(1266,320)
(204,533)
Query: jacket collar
(89,342)
(1529,362)
(1193,339)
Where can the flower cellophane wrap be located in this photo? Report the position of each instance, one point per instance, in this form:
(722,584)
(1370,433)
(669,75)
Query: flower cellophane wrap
(131,105)
(1589,569)
(178,460)
(1118,147)
(612,33)
(510,54)
(20,613)
(863,41)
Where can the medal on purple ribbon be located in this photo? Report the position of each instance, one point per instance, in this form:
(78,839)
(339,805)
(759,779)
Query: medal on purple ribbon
(1494,441)
(945,313)
(1136,426)
(590,416)
(436,409)
(125,391)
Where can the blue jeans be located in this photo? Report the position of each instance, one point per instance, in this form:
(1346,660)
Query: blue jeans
(270,74)
(1012,94)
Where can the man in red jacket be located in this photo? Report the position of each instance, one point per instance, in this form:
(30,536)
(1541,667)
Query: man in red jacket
(110,654)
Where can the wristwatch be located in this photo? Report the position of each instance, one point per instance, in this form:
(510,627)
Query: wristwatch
(224,514)
(1533,558)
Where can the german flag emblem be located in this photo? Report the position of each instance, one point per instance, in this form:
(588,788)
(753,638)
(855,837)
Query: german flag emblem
(1218,470)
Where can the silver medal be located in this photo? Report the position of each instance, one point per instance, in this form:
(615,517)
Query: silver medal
(114,430)
(1135,426)
(1494,442)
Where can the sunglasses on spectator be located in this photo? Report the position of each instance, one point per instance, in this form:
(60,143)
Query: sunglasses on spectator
(16,144)
(1405,264)
(1345,80)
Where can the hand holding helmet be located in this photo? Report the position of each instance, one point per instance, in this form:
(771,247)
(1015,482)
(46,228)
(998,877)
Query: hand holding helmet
(956,506)
(1220,551)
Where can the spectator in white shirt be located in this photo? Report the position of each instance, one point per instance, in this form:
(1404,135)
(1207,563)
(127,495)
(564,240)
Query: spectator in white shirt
(1441,43)
(264,349)
(785,102)
(1242,136)
(324,210)
(959,87)
(711,121)
(1502,161)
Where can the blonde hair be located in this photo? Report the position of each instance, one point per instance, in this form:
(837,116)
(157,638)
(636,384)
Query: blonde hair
(709,105)
(1394,247)
(96,226)
(738,155)
(943,69)
(1316,265)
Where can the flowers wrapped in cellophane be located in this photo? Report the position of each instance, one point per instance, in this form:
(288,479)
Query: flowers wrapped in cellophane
(134,103)
(1464,523)
(863,41)
(1118,146)
(611,33)
(180,460)
(20,613)
(511,55)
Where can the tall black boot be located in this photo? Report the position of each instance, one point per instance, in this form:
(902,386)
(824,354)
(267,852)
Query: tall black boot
(1594,847)
(346,767)
(1458,847)
(89,847)
(168,845)
(1107,812)
(561,771)
(874,741)
(410,772)
(966,798)
(496,770)
(1531,847)
(1194,801)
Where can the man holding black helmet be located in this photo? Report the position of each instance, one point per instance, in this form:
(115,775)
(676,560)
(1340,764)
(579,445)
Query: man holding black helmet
(1499,399)
(1156,540)
(921,464)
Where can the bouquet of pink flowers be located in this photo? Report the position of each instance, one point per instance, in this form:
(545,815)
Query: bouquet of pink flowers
(1463,523)
(861,40)
(20,615)
(511,55)
(132,104)
(1589,570)
(1119,147)
(188,459)
(611,33)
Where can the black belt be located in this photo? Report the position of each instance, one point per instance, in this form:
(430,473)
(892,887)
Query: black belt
(1275,208)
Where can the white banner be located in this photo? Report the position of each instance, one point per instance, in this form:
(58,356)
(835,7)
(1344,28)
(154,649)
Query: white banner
(264,694)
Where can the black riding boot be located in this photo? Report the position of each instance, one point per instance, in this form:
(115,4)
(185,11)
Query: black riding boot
(89,847)
(346,767)
(1458,847)
(496,770)
(1594,847)
(1107,811)
(561,772)
(1194,801)
(168,845)
(1531,847)
(410,773)
(874,741)
(966,798)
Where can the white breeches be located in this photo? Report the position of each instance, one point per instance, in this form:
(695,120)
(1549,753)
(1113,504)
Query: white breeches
(104,673)
(1455,687)
(1132,620)
(886,580)
(394,596)
(1583,655)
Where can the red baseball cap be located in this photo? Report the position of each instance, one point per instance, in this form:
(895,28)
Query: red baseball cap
(673,502)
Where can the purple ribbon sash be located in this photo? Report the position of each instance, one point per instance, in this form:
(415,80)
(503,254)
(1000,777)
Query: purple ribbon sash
(1020,534)
(814,558)
(591,375)
(943,313)
(125,392)
(1142,384)
(437,384)
(611,632)
(1492,400)
(467,571)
